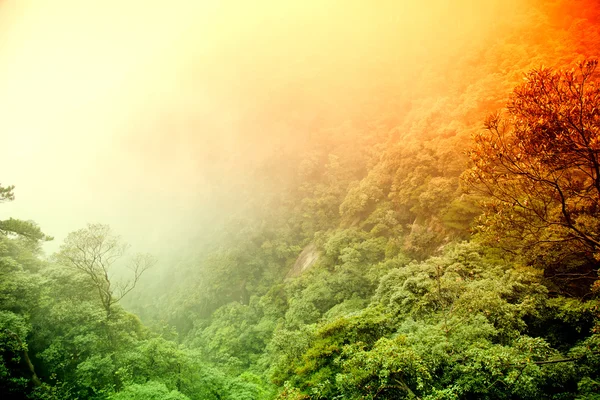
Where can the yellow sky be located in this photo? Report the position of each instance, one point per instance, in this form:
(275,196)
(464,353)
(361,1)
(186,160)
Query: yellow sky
(117,111)
(72,74)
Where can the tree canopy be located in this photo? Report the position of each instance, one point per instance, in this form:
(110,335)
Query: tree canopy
(539,164)
(94,252)
(378,261)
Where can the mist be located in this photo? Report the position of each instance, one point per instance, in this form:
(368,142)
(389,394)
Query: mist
(316,199)
(150,115)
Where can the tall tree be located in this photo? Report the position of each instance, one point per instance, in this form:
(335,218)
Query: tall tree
(539,163)
(94,251)
(19,296)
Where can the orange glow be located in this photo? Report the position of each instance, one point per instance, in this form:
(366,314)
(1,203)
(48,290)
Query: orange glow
(133,112)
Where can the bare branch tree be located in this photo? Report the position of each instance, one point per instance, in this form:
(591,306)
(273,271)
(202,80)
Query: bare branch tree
(139,264)
(94,251)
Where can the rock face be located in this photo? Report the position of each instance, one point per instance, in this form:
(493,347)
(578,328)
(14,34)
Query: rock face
(305,260)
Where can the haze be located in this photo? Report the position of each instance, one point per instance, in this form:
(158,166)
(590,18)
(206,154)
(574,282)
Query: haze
(150,115)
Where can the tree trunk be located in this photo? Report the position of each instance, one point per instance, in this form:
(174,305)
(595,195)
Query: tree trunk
(34,378)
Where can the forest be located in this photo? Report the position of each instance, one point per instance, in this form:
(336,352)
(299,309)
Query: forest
(421,225)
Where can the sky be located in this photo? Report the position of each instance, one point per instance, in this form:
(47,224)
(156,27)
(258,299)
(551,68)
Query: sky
(80,83)
(144,114)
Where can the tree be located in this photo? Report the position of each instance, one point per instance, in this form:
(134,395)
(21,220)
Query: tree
(539,163)
(148,391)
(94,251)
(20,287)
(25,229)
(6,193)
(12,227)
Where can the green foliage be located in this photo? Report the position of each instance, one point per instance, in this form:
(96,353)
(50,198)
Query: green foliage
(398,304)
(25,229)
(456,326)
(148,391)
(14,378)
(16,227)
(6,193)
(237,334)
(389,368)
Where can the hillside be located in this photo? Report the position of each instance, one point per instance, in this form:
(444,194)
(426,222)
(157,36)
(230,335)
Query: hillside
(406,207)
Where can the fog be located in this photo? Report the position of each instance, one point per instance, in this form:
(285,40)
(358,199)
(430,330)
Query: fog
(149,115)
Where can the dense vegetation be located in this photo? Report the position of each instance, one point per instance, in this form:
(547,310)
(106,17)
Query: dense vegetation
(434,265)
